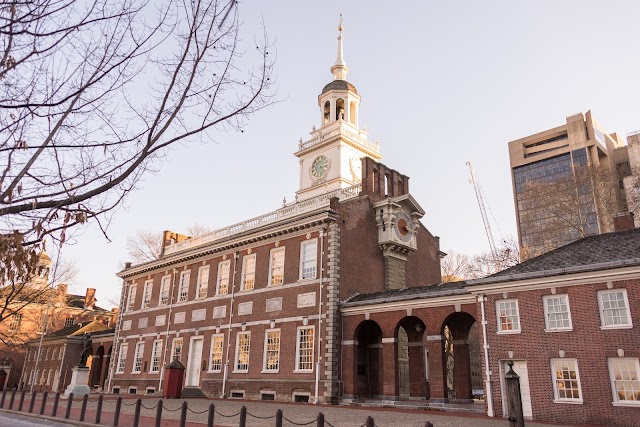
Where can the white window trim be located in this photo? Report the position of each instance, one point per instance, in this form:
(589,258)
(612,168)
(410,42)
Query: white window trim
(302,244)
(231,392)
(173,348)
(300,393)
(284,261)
(235,362)
(206,284)
(616,401)
(244,264)
(220,264)
(153,346)
(135,354)
(557,399)
(546,314)
(131,302)
(264,353)
(512,331)
(210,370)
(601,309)
(124,347)
(135,389)
(296,365)
(188,285)
(148,286)
(163,280)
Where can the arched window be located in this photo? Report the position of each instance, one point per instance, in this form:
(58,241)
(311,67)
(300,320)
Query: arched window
(374,182)
(327,112)
(352,112)
(388,185)
(400,187)
(340,109)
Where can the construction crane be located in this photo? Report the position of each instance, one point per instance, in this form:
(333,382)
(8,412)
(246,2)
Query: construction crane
(483,211)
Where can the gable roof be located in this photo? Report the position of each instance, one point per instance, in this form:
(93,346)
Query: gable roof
(428,291)
(602,251)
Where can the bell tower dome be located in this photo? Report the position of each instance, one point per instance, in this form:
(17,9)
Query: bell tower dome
(331,159)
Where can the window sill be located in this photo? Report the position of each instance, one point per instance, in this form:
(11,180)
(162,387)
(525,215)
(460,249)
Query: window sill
(154,372)
(604,328)
(240,372)
(271,371)
(119,373)
(308,279)
(136,373)
(509,332)
(633,404)
(569,402)
(303,371)
(559,330)
(214,372)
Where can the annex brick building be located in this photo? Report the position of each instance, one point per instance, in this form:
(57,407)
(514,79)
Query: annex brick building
(252,310)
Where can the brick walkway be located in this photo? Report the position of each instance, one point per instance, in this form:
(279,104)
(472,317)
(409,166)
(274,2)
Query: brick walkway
(261,414)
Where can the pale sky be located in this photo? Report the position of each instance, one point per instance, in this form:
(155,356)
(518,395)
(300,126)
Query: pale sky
(442,83)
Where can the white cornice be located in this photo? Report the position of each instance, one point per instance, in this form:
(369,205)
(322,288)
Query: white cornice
(420,302)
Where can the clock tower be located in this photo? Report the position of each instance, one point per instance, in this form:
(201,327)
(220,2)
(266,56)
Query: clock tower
(331,158)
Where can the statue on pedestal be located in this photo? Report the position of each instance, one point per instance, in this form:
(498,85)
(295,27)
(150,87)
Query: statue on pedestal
(87,343)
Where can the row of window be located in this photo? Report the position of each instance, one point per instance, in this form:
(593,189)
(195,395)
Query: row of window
(613,304)
(45,378)
(270,359)
(308,270)
(624,374)
(15,322)
(52,351)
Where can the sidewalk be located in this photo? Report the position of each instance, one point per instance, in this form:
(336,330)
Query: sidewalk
(262,414)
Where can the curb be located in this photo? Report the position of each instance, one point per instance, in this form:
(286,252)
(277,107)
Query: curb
(48,418)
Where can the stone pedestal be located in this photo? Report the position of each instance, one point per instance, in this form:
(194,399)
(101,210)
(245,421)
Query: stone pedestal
(78,385)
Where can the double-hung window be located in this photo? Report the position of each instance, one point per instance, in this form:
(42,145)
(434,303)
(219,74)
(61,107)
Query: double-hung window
(15,322)
(203,282)
(304,349)
(625,380)
(156,354)
(508,316)
(217,346)
(309,259)
(271,350)
(132,297)
(276,275)
(165,284)
(566,380)
(557,315)
(223,278)
(176,351)
(248,272)
(614,309)
(137,357)
(122,358)
(146,294)
(243,346)
(183,289)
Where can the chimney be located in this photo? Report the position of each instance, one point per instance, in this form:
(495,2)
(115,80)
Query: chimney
(623,221)
(169,238)
(127,265)
(90,299)
(113,319)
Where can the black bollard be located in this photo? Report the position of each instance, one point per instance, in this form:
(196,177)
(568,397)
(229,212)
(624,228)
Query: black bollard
(369,422)
(43,404)
(320,420)
(13,397)
(4,395)
(212,414)
(33,401)
(83,410)
(159,413)
(21,400)
(69,403)
(428,424)
(56,401)
(99,409)
(243,417)
(279,418)
(183,414)
(116,415)
(136,414)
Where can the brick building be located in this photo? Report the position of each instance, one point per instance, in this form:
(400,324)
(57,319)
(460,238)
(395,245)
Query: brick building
(252,310)
(27,321)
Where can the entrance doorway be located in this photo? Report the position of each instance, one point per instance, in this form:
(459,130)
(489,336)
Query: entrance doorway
(194,362)
(520,368)
(404,382)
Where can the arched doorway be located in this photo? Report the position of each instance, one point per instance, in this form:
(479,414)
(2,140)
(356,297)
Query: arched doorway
(456,356)
(410,367)
(96,371)
(368,360)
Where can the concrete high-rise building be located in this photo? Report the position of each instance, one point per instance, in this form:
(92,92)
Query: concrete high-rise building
(568,183)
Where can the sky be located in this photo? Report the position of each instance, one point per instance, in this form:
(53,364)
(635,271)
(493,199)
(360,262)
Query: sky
(442,83)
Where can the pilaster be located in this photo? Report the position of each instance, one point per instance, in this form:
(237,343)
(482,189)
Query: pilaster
(332,336)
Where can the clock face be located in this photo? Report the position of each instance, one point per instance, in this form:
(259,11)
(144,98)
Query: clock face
(403,227)
(320,167)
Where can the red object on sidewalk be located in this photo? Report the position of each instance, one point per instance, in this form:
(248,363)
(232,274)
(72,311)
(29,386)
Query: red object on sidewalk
(174,373)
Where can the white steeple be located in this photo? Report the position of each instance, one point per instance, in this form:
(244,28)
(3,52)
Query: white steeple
(339,69)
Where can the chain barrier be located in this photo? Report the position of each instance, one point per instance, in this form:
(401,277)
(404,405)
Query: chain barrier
(152,407)
(299,424)
(128,404)
(268,417)
(227,416)
(171,410)
(197,412)
(331,425)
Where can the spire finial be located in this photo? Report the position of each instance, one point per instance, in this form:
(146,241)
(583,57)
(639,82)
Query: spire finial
(339,69)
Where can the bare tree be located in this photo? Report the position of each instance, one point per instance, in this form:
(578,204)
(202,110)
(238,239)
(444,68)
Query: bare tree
(457,266)
(146,245)
(94,93)
(454,267)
